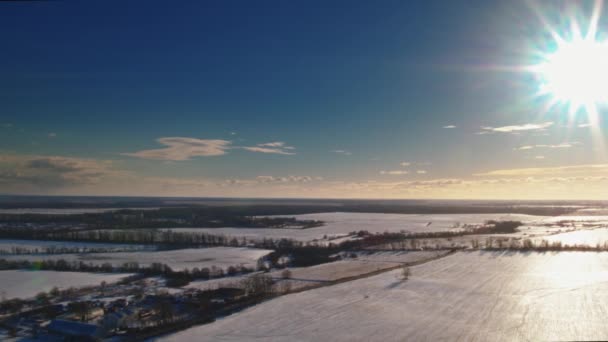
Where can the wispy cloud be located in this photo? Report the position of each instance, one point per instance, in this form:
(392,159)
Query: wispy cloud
(407,164)
(6,125)
(277,147)
(344,152)
(583,125)
(421,172)
(184,148)
(569,170)
(180,148)
(52,135)
(269,181)
(516,128)
(53,171)
(394,172)
(287,179)
(562,145)
(449,126)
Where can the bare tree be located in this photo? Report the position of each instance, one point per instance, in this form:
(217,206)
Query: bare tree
(42,298)
(405,272)
(286,274)
(54,291)
(165,310)
(258,285)
(285,286)
(81,309)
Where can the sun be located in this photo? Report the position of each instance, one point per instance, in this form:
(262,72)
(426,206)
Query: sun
(575,73)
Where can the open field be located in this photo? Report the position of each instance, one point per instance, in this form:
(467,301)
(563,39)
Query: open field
(571,230)
(340,224)
(302,277)
(323,274)
(590,237)
(25,284)
(176,259)
(483,296)
(576,218)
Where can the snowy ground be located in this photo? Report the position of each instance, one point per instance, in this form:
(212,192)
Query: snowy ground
(571,230)
(213,284)
(25,284)
(470,296)
(176,259)
(591,211)
(33,246)
(590,237)
(302,277)
(576,219)
(340,224)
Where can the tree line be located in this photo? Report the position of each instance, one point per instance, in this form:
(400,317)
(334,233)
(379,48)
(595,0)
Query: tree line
(20,250)
(156,218)
(163,239)
(154,269)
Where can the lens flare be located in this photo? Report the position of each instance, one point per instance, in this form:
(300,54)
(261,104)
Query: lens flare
(575,72)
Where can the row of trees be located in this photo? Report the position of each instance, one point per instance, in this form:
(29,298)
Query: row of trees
(158,218)
(21,250)
(154,269)
(542,245)
(497,243)
(181,239)
(415,240)
(167,238)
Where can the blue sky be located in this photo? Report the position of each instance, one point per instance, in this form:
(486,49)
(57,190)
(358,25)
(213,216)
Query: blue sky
(283,98)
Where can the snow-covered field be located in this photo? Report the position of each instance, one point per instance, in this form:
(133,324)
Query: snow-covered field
(340,224)
(399,257)
(576,219)
(213,284)
(365,263)
(571,230)
(25,284)
(34,246)
(302,277)
(176,259)
(469,296)
(590,237)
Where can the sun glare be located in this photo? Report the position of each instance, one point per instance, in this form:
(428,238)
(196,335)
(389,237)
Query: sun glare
(577,73)
(574,73)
